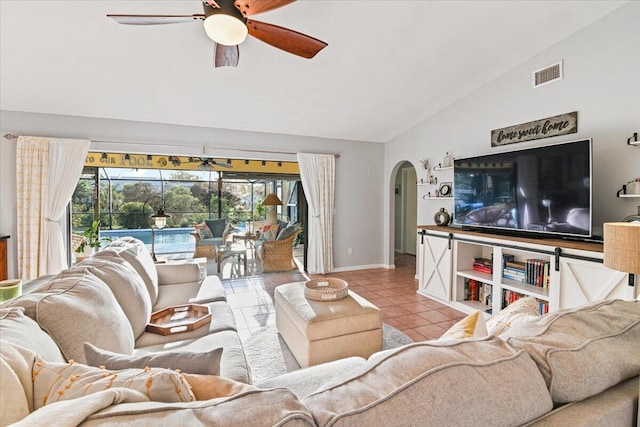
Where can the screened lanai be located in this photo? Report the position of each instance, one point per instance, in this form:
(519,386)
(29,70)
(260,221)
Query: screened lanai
(189,190)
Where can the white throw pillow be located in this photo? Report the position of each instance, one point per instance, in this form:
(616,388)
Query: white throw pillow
(56,382)
(472,326)
(14,404)
(521,310)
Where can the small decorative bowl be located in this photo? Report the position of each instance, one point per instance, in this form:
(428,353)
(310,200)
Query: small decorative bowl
(10,289)
(329,289)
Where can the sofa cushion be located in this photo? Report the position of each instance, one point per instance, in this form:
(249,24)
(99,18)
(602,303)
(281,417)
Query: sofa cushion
(125,283)
(216,226)
(183,271)
(616,406)
(209,290)
(416,385)
(583,351)
(288,230)
(269,232)
(136,254)
(305,381)
(79,309)
(521,310)
(233,363)
(203,230)
(222,319)
(57,382)
(207,363)
(250,408)
(19,329)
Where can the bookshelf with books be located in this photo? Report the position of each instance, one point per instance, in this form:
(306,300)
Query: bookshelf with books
(559,274)
(526,273)
(481,283)
(474,276)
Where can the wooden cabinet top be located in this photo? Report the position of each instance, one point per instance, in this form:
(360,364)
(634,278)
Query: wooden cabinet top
(562,243)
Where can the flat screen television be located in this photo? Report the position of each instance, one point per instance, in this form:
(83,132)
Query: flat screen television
(543,190)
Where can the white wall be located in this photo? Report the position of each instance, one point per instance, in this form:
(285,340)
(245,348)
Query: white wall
(601,82)
(358,217)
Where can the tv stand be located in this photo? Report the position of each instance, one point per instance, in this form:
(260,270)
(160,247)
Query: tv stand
(574,271)
(592,239)
(538,232)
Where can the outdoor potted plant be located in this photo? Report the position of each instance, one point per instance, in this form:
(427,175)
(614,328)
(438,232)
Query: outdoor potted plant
(259,214)
(91,241)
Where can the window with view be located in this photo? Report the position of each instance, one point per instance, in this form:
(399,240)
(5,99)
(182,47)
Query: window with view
(124,199)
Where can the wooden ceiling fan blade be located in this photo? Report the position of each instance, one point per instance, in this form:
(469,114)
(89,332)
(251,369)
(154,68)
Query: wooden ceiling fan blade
(252,7)
(211,3)
(154,19)
(286,39)
(225,56)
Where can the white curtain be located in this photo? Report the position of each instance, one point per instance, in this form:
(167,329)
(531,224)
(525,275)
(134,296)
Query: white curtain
(317,172)
(32,179)
(47,173)
(66,160)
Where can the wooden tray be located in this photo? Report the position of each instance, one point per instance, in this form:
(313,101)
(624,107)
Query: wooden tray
(179,318)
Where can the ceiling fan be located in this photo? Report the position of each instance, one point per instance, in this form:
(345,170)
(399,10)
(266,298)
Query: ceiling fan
(226,23)
(207,164)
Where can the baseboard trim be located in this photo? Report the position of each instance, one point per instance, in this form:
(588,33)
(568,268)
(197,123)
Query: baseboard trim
(360,267)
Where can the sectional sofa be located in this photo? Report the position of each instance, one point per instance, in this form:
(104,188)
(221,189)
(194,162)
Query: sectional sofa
(573,367)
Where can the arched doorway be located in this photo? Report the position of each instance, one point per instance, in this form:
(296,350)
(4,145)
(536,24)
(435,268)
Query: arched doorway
(405,208)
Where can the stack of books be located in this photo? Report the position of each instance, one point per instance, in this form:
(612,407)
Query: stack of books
(484,265)
(475,290)
(515,270)
(532,271)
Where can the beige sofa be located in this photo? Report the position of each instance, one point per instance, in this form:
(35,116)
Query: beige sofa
(107,301)
(574,367)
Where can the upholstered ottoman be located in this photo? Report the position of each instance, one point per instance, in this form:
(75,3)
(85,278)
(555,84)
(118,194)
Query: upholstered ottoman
(321,331)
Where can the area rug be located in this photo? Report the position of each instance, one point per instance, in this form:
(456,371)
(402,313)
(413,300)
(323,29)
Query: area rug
(269,356)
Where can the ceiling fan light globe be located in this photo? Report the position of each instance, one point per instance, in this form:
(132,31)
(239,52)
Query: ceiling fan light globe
(225,29)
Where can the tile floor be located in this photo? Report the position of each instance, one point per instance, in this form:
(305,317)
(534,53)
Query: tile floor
(394,291)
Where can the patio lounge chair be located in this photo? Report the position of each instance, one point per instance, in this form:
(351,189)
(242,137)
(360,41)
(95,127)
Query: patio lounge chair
(277,255)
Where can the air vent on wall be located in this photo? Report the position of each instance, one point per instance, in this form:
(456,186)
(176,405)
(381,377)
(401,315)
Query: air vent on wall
(547,75)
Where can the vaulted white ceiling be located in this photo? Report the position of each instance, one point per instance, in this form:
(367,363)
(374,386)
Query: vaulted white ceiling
(388,66)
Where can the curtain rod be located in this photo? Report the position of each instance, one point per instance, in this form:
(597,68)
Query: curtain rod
(11,136)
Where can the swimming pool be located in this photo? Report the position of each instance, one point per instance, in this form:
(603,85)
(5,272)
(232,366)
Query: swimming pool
(168,240)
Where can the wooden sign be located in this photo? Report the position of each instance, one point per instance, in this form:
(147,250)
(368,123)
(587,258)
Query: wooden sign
(545,128)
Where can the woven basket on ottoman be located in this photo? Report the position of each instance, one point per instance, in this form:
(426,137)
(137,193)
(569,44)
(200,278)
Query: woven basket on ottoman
(321,331)
(326,289)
